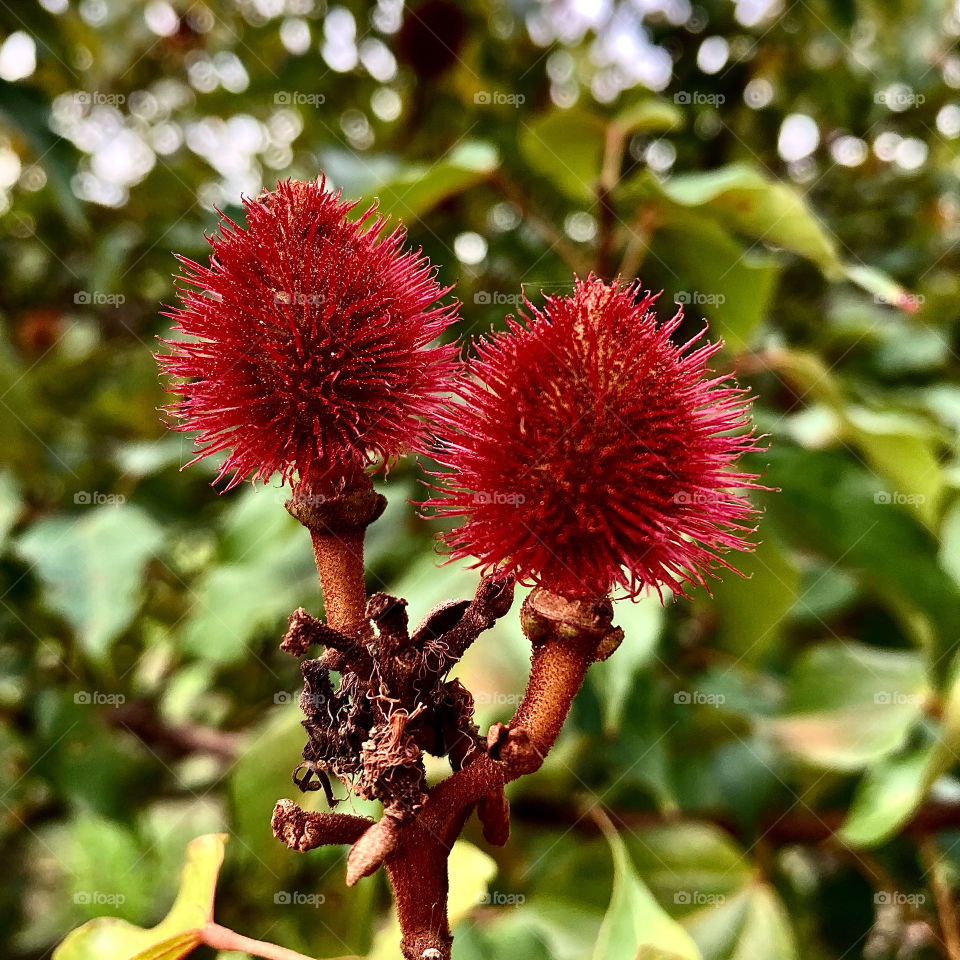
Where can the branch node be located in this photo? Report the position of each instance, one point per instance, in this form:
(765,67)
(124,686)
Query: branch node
(304,829)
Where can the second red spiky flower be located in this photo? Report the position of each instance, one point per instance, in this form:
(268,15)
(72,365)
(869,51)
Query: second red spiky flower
(589,453)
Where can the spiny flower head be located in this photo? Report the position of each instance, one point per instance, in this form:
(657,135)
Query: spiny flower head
(589,453)
(307,339)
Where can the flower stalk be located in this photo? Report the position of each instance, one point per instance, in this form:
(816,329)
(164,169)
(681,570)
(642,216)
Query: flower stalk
(337,511)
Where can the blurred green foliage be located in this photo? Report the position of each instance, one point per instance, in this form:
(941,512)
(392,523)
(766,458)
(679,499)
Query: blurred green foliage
(795,182)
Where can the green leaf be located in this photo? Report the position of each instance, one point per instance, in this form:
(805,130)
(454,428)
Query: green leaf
(849,705)
(717,278)
(420,188)
(10,505)
(614,678)
(742,199)
(748,202)
(886,796)
(471,871)
(267,573)
(108,938)
(648,115)
(745,627)
(566,146)
(707,883)
(92,566)
(751,924)
(891,791)
(832,505)
(635,925)
(903,449)
(262,774)
(28,109)
(949,553)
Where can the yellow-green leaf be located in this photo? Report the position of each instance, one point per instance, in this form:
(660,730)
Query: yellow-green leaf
(109,938)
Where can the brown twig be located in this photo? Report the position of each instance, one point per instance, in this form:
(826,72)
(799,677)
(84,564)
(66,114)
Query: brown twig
(547,232)
(140,718)
(566,637)
(222,938)
(946,909)
(640,233)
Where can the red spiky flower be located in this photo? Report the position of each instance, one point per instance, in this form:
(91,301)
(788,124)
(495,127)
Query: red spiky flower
(307,339)
(589,453)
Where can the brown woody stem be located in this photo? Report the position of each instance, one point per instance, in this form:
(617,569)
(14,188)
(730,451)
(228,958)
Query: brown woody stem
(567,636)
(337,511)
(339,558)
